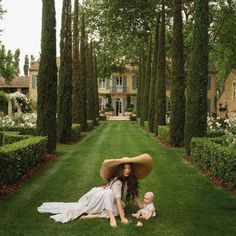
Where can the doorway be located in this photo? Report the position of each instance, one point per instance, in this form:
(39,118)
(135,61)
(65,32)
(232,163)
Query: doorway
(119,107)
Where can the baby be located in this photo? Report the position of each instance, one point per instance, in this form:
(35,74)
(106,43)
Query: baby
(148,209)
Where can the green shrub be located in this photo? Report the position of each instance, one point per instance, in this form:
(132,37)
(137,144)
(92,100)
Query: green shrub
(102,117)
(133,118)
(1,138)
(145,125)
(90,125)
(12,137)
(75,131)
(219,160)
(138,121)
(164,133)
(18,158)
(219,140)
(215,133)
(20,129)
(3,102)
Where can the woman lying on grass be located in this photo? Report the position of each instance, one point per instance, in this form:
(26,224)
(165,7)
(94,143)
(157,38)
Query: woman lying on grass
(106,201)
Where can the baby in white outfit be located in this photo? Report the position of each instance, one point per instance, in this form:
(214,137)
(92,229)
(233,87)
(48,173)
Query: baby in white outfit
(148,209)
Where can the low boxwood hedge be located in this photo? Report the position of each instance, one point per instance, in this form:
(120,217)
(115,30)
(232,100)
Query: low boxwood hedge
(75,131)
(1,138)
(89,125)
(219,160)
(163,133)
(18,158)
(215,133)
(12,137)
(20,129)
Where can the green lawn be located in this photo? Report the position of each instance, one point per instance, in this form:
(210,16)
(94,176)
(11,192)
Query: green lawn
(188,203)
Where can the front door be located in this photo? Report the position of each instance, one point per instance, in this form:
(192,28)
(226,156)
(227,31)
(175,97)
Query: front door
(119,107)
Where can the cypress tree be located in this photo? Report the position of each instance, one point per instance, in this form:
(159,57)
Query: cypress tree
(147,81)
(47,77)
(76,69)
(160,100)
(177,96)
(32,59)
(26,65)
(139,85)
(96,97)
(151,110)
(196,96)
(82,78)
(17,61)
(90,85)
(65,76)
(142,81)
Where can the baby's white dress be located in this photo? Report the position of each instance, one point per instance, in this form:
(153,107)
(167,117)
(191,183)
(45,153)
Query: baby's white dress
(96,201)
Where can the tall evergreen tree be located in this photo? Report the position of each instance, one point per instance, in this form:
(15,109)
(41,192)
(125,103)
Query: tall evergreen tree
(146,92)
(65,76)
(160,110)
(196,96)
(82,78)
(95,85)
(151,110)
(90,85)
(47,77)
(17,61)
(177,87)
(32,59)
(26,65)
(76,70)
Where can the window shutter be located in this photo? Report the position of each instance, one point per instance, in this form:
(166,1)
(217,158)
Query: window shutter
(124,83)
(113,84)
(107,83)
(124,105)
(134,86)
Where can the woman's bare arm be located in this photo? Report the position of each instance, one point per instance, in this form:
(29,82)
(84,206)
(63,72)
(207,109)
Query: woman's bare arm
(120,211)
(138,202)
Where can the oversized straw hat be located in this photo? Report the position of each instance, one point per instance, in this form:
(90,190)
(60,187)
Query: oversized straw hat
(142,166)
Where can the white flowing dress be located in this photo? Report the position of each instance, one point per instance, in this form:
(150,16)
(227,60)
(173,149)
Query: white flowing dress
(96,201)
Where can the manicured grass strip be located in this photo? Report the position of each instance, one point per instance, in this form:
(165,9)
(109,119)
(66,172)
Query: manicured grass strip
(187,202)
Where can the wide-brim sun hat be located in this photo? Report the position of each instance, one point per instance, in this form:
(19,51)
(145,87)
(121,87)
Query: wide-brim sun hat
(142,166)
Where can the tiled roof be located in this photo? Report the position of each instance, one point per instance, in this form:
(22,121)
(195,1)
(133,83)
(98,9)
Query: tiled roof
(17,82)
(35,65)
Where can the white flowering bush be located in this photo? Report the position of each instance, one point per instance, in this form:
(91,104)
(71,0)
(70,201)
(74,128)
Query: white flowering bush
(22,100)
(214,124)
(230,132)
(23,120)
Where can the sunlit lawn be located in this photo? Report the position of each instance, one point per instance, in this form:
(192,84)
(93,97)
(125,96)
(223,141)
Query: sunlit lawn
(188,203)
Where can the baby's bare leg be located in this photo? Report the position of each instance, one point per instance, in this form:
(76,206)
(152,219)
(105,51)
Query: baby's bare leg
(137,214)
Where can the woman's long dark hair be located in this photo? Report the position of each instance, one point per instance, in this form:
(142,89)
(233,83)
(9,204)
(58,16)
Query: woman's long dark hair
(131,180)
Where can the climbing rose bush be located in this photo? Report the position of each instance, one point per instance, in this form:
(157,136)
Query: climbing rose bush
(22,100)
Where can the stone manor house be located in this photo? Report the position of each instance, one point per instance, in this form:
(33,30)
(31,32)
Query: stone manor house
(118,88)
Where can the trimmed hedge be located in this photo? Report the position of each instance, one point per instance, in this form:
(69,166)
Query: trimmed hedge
(164,133)
(1,138)
(89,125)
(12,137)
(75,131)
(145,125)
(18,158)
(138,121)
(219,140)
(20,129)
(219,160)
(216,133)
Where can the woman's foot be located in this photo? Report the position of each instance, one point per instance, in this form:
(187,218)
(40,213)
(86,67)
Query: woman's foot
(113,223)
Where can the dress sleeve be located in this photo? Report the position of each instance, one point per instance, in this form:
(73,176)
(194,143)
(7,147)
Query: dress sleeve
(116,188)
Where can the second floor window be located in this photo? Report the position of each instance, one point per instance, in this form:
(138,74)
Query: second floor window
(119,81)
(102,83)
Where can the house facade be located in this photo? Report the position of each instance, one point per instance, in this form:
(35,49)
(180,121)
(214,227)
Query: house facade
(227,98)
(121,88)
(119,91)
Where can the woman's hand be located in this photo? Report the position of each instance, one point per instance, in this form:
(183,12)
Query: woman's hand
(124,221)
